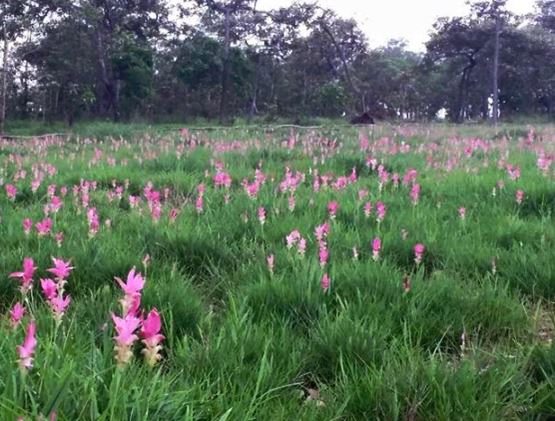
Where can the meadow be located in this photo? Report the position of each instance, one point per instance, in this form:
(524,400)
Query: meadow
(395,272)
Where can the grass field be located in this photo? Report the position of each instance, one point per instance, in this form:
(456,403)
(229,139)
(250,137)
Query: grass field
(399,273)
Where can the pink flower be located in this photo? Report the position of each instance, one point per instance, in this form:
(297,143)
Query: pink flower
(61,269)
(134,284)
(94,221)
(26,277)
(419,250)
(367,209)
(59,236)
(381,211)
(262,215)
(292,238)
(325,282)
(513,172)
(27,349)
(462,213)
(150,332)
(59,305)
(125,329)
(291,202)
(301,246)
(222,179)
(27,226)
(376,248)
(322,231)
(323,255)
(519,196)
(44,227)
(16,314)
(11,191)
(55,205)
(415,193)
(333,207)
(49,288)
(199,203)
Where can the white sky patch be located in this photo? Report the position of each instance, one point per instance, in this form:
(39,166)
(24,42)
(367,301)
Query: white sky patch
(410,20)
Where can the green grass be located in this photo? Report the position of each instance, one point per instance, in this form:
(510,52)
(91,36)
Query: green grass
(468,341)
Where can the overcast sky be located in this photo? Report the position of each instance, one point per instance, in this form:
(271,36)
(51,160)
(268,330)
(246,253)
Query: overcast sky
(411,20)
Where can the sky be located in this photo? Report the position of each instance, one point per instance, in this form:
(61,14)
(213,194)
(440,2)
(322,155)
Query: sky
(411,20)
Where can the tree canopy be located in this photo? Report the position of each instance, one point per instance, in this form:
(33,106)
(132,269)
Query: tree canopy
(72,59)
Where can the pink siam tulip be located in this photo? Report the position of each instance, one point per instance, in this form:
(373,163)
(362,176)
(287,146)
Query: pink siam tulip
(251,188)
(362,194)
(395,178)
(132,289)
(61,269)
(27,349)
(26,276)
(415,193)
(59,305)
(44,227)
(462,213)
(367,209)
(325,282)
(11,191)
(410,177)
(49,288)
(333,207)
(291,202)
(16,314)
(261,215)
(27,226)
(150,332)
(222,179)
(519,197)
(125,338)
(199,204)
(513,172)
(323,255)
(419,250)
(292,238)
(55,204)
(59,236)
(301,246)
(322,231)
(376,248)
(381,211)
(94,222)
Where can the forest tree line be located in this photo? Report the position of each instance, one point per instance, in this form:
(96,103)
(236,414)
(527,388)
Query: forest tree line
(220,59)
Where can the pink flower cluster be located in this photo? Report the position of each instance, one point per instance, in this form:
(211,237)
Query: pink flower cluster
(295,238)
(131,320)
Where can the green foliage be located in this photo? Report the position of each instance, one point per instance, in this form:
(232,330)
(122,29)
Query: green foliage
(242,342)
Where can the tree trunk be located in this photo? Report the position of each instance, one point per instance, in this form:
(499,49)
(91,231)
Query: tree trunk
(3,100)
(463,87)
(346,70)
(109,88)
(254,108)
(496,71)
(225,69)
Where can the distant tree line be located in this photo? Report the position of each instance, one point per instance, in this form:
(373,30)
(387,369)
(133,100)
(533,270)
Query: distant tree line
(220,59)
